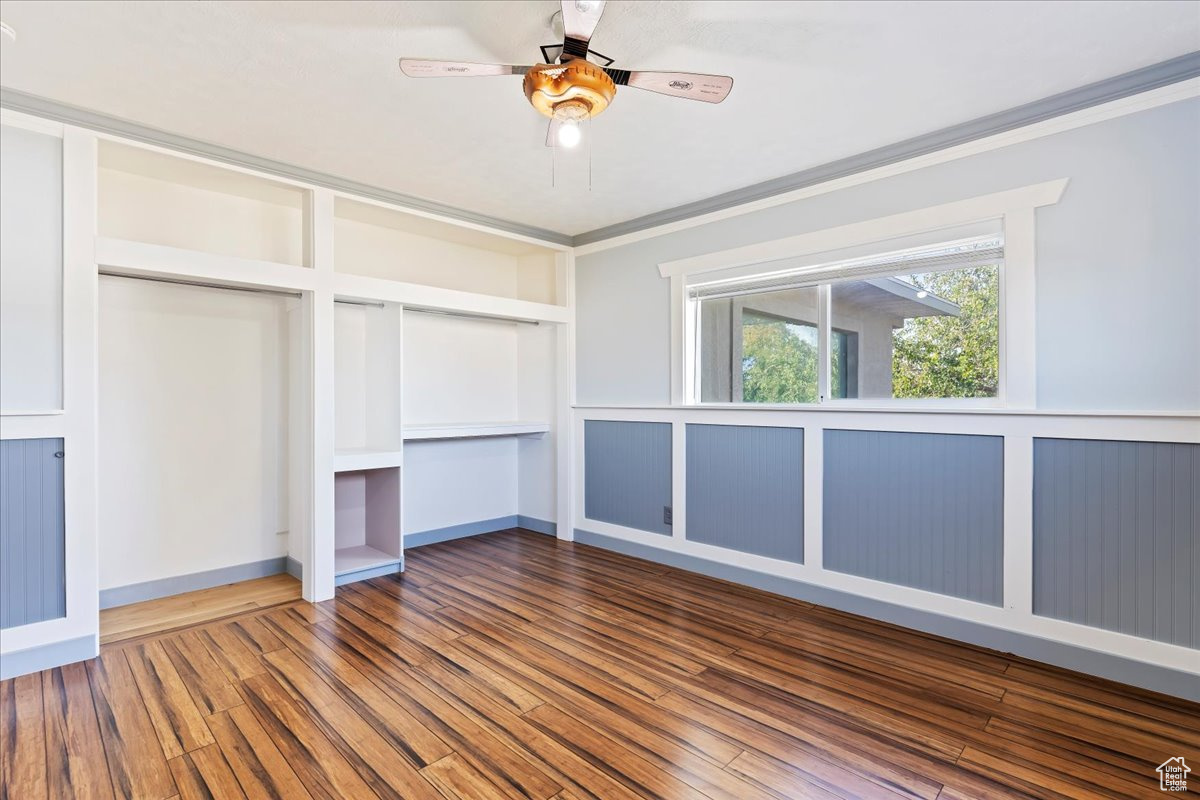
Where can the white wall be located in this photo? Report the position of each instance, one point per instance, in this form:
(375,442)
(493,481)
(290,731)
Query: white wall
(458,370)
(193,421)
(248,219)
(1118,282)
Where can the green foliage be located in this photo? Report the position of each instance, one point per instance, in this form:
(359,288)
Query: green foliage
(951,356)
(779,361)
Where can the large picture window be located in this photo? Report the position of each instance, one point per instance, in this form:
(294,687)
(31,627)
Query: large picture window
(921,323)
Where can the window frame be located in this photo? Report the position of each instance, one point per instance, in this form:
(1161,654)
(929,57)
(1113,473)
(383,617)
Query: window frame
(1014,210)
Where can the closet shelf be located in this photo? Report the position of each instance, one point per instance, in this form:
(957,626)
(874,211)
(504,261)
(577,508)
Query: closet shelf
(347,560)
(358,287)
(360,458)
(141,258)
(473,430)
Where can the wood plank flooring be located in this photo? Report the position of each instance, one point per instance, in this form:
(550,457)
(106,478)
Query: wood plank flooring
(515,666)
(191,608)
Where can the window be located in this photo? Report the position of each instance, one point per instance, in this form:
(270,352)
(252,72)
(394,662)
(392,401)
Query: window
(921,323)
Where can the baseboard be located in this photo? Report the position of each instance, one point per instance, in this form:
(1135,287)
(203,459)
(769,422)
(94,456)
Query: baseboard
(537,525)
(48,656)
(295,568)
(1080,659)
(368,573)
(165,587)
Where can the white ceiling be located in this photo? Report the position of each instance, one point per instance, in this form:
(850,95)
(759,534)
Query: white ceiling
(316,84)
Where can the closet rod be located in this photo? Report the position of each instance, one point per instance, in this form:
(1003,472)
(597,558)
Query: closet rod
(469,315)
(360,303)
(202,284)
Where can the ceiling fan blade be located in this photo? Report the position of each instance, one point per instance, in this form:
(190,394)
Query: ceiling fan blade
(689,85)
(426,68)
(580,18)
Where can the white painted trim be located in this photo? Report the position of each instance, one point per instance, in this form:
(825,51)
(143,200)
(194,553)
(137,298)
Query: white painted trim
(49,426)
(814,497)
(1017,301)
(319,555)
(77,424)
(1018,524)
(1018,310)
(679,481)
(564,264)
(28,122)
(153,260)
(356,460)
(415,295)
(1131,426)
(474,430)
(1144,101)
(894,226)
(683,342)
(898,408)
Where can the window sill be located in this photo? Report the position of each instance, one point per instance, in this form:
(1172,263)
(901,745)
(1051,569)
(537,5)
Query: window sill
(899,408)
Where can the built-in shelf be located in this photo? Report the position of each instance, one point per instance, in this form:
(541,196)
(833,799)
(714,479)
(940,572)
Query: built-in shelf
(381,290)
(354,459)
(136,258)
(367,532)
(349,560)
(473,430)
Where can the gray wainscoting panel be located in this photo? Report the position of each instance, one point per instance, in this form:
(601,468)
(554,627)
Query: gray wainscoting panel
(32,530)
(627,473)
(924,510)
(745,489)
(1116,536)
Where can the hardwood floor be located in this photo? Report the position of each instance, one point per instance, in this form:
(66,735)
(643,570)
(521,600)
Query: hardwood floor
(515,666)
(192,608)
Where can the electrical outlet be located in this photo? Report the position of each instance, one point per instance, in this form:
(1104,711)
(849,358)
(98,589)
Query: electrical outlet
(666,515)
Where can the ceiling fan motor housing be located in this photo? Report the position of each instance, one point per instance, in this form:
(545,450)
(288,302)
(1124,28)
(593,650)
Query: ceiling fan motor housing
(575,90)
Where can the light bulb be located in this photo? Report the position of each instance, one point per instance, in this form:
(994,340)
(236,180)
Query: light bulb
(569,133)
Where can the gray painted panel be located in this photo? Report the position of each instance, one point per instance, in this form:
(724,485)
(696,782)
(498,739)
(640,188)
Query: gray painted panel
(917,509)
(627,473)
(1093,662)
(1116,536)
(32,531)
(745,489)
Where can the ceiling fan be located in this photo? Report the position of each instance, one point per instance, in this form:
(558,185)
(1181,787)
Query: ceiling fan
(568,87)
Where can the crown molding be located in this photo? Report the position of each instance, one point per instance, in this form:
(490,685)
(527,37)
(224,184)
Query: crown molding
(1106,91)
(115,126)
(1147,79)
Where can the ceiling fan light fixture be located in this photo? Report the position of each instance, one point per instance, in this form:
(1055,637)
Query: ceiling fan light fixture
(569,134)
(578,88)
